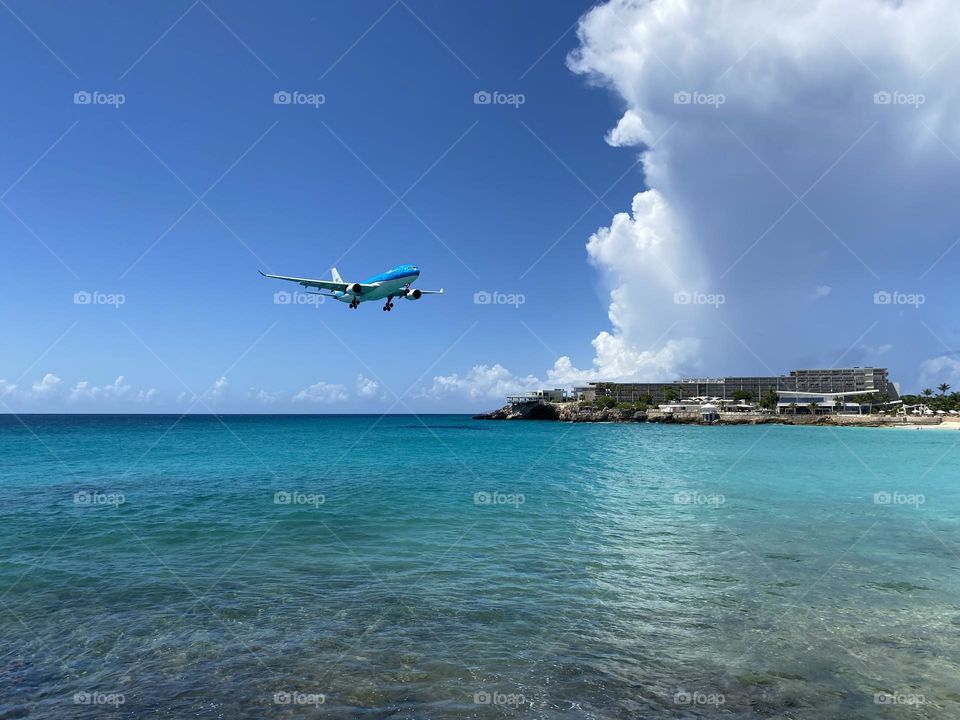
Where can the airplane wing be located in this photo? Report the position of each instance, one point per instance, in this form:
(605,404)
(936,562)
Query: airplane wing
(331,285)
(427,292)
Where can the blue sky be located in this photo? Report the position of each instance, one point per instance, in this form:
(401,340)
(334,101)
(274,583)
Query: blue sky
(174,199)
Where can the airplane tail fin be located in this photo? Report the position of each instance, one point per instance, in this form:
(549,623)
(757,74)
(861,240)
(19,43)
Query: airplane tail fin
(335,275)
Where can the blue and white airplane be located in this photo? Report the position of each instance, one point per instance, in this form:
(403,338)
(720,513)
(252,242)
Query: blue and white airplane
(391,284)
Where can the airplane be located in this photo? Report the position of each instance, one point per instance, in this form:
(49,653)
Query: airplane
(390,284)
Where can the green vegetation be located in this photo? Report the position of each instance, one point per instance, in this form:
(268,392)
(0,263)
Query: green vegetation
(744,395)
(864,399)
(769,400)
(604,402)
(943,401)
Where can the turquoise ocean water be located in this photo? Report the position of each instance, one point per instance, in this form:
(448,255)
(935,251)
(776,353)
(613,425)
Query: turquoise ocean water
(440,567)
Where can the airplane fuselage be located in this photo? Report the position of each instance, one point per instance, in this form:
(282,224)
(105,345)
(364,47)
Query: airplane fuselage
(388,284)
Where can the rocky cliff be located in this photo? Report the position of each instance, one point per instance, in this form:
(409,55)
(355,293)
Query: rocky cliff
(570,412)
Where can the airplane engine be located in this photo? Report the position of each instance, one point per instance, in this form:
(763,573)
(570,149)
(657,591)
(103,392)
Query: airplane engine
(413,295)
(355,289)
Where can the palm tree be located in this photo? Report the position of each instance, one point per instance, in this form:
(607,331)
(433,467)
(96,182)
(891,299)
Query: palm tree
(864,399)
(943,387)
(812,407)
(927,392)
(793,408)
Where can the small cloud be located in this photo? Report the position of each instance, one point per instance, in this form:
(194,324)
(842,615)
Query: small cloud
(821,291)
(47,386)
(84,390)
(51,389)
(266,398)
(219,390)
(322,393)
(146,396)
(482,381)
(944,368)
(630,130)
(366,387)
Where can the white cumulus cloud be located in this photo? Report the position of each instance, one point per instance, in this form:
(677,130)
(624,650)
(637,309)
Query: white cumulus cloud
(48,386)
(146,396)
(482,381)
(219,390)
(265,397)
(366,387)
(941,369)
(52,393)
(629,131)
(785,145)
(85,390)
(322,393)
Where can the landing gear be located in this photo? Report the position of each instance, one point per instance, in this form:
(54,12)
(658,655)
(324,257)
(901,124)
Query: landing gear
(389,306)
(354,304)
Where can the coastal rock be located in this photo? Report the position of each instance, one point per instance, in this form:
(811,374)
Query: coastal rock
(574,412)
(566,412)
(527,411)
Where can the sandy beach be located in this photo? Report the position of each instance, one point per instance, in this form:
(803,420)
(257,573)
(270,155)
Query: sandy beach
(951,424)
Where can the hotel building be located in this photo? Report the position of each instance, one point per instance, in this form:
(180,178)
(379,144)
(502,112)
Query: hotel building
(810,383)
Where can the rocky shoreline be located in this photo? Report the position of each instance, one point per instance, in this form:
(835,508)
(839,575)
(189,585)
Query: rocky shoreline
(570,412)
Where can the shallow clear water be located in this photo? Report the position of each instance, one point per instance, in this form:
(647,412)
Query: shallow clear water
(603,571)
